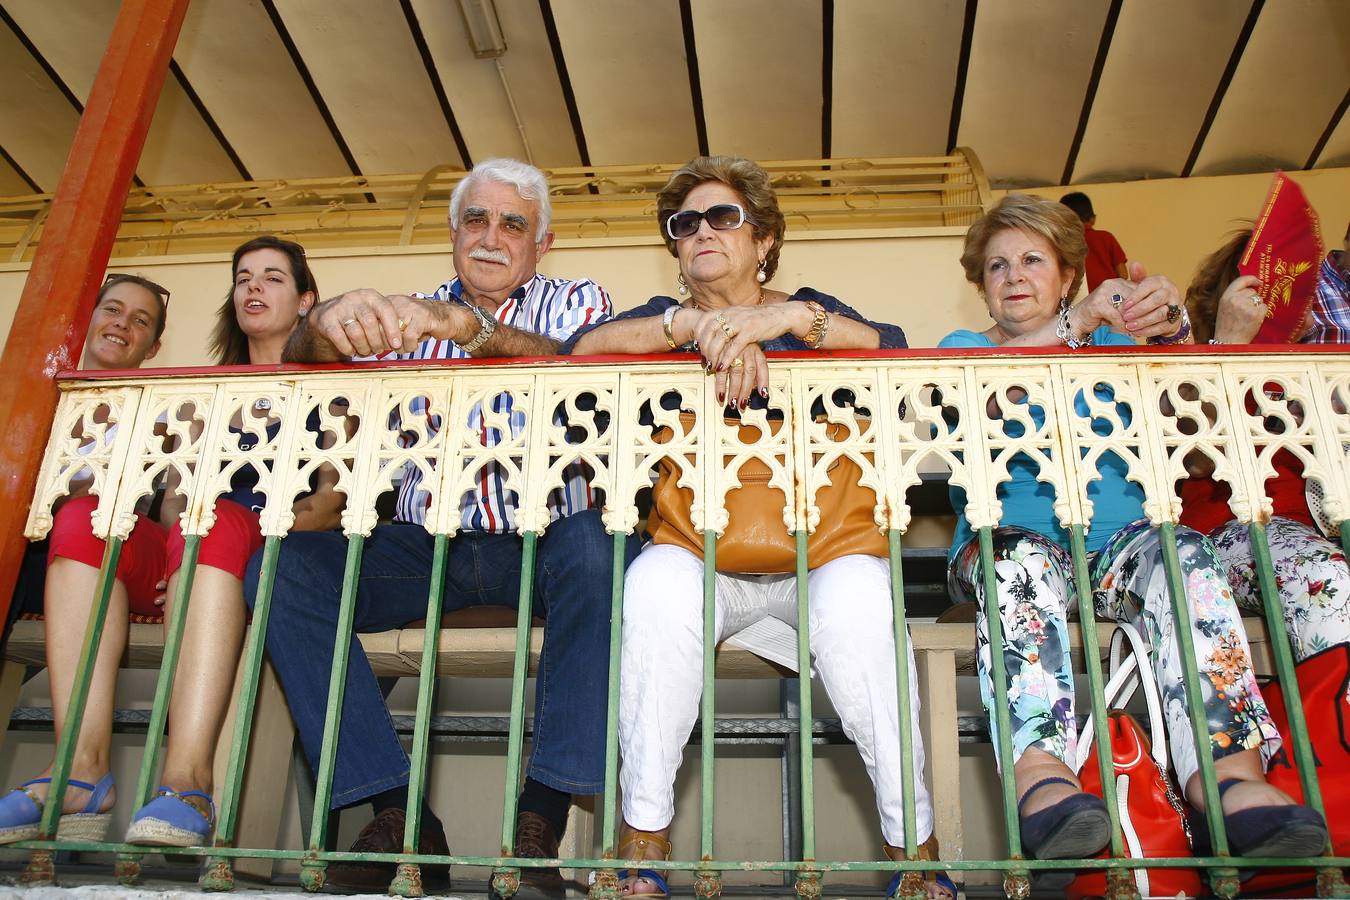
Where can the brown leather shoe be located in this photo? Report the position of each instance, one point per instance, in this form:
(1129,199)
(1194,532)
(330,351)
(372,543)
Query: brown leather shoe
(384,834)
(535,840)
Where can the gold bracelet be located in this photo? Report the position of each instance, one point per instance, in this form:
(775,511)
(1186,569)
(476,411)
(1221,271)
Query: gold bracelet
(668,325)
(815,336)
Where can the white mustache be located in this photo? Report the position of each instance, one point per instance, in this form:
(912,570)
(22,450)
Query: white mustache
(496,256)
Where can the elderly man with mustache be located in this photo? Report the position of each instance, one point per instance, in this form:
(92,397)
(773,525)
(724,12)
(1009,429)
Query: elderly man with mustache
(497,305)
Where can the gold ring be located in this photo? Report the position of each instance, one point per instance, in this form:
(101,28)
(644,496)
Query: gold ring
(402,325)
(737,363)
(349,323)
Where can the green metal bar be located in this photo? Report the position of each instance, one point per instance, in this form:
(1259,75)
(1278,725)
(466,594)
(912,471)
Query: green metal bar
(173,643)
(707,714)
(79,694)
(1087,627)
(708,882)
(898,619)
(426,684)
(964,865)
(219,875)
(804,693)
(606,886)
(408,881)
(609,828)
(1282,648)
(998,671)
(808,879)
(337,684)
(515,743)
(1224,881)
(506,879)
(907,890)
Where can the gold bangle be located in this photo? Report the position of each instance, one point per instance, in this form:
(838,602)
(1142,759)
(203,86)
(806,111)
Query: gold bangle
(815,336)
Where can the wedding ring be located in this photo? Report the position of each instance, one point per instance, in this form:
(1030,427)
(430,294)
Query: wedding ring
(402,325)
(349,323)
(737,363)
(1173,312)
(1256,299)
(1116,300)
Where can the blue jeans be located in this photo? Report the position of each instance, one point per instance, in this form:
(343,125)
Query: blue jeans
(571,592)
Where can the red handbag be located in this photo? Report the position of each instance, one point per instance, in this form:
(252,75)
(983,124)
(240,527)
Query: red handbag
(1152,813)
(1322,681)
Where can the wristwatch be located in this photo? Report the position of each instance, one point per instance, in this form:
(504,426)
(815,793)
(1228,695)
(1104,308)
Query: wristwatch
(820,324)
(487,325)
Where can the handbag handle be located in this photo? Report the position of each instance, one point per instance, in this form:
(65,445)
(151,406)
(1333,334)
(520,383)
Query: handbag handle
(1126,675)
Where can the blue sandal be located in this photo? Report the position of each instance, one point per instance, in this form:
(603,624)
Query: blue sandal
(1264,831)
(170,821)
(21,813)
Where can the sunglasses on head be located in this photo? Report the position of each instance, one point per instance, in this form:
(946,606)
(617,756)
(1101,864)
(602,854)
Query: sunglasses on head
(722,217)
(120,278)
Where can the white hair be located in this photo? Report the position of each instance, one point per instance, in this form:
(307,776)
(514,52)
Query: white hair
(529,182)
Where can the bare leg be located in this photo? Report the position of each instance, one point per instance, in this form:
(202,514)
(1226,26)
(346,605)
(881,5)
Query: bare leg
(1254,790)
(69,599)
(1034,766)
(212,640)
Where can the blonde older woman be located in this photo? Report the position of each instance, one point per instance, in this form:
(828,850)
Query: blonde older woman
(1026,258)
(720,219)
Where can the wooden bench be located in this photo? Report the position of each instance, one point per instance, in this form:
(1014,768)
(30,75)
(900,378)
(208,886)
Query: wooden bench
(942,652)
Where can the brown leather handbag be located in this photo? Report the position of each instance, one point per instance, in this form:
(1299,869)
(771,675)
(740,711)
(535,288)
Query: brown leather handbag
(756,540)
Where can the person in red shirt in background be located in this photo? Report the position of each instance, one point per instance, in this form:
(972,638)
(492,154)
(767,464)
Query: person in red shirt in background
(1105,257)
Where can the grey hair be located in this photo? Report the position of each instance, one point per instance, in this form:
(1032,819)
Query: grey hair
(529,182)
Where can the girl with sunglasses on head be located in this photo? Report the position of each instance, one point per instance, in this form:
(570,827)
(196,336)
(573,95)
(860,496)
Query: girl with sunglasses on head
(720,218)
(59,575)
(272,289)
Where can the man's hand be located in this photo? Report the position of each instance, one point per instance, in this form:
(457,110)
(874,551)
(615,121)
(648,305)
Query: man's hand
(367,323)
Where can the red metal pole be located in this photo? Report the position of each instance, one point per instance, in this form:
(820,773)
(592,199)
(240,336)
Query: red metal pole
(58,297)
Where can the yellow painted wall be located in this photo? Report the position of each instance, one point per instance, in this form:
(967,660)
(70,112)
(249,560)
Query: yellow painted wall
(910,277)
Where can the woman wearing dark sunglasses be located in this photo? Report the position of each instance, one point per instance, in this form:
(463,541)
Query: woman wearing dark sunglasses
(720,218)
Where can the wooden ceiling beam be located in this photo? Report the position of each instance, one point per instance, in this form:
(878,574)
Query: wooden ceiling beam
(962,69)
(1330,130)
(564,80)
(14,164)
(181,77)
(1225,80)
(1098,64)
(299,62)
(695,81)
(429,62)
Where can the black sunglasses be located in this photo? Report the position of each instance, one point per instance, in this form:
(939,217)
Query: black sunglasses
(121,278)
(723,217)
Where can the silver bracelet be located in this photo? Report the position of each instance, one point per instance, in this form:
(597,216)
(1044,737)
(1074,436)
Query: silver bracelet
(1064,331)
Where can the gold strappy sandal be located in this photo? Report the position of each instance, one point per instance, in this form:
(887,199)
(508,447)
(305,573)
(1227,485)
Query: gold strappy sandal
(936,881)
(635,845)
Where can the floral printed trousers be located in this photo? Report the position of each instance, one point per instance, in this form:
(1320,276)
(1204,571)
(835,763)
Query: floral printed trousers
(1311,575)
(1034,582)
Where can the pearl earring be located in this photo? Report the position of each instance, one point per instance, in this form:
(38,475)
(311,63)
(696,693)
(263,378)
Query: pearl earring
(760,276)
(684,285)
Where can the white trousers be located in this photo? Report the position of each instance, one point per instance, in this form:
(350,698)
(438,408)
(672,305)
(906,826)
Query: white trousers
(852,647)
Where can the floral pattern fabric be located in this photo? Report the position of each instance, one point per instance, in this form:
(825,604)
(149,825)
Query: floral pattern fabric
(1034,582)
(1311,575)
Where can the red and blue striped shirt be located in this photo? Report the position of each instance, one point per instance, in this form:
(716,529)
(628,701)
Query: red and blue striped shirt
(550,306)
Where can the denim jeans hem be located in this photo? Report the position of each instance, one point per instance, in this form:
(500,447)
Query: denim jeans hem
(360,793)
(559,783)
